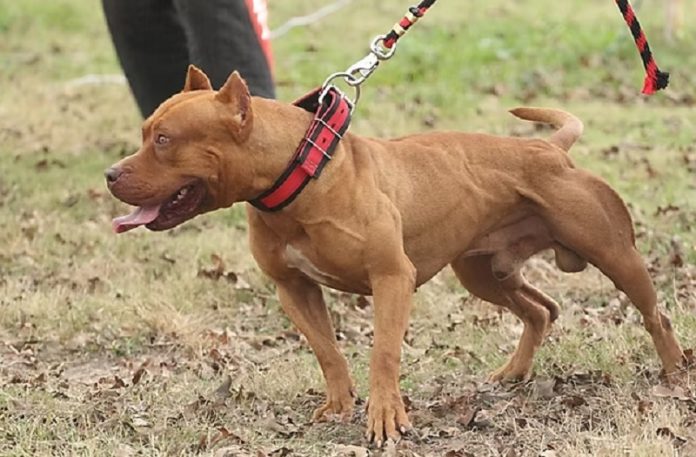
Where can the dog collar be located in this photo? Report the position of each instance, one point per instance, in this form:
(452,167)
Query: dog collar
(332,117)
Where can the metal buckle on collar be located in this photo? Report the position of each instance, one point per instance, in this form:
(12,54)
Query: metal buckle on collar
(327,87)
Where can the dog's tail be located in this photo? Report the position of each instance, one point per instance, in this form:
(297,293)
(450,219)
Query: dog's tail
(569,127)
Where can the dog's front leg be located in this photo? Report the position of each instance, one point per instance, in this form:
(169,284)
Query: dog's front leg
(302,301)
(393,294)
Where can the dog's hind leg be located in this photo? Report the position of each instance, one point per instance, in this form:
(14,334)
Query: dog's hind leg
(531,306)
(592,220)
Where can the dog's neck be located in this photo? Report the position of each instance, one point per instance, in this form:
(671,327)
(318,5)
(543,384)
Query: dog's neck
(277,130)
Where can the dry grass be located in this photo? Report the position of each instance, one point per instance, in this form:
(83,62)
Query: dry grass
(126,345)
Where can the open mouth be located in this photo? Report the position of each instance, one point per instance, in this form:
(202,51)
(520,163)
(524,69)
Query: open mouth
(178,208)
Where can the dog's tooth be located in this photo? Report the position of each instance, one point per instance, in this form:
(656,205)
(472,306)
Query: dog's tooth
(180,195)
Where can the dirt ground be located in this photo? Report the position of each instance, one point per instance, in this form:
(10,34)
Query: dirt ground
(174,343)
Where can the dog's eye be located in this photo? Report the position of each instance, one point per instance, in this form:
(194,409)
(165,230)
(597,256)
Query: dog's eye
(161,139)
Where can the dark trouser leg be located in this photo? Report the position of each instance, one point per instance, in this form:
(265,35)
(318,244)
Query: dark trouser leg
(155,41)
(222,39)
(151,46)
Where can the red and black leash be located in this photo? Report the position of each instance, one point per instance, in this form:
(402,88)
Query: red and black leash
(333,108)
(383,47)
(654,78)
(414,13)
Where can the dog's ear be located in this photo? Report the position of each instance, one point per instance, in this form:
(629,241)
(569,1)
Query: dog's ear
(235,94)
(196,80)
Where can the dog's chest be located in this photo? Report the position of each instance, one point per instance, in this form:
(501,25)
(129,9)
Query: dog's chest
(296,259)
(324,272)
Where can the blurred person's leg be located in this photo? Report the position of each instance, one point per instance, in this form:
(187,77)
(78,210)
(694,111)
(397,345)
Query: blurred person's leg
(156,40)
(227,35)
(151,46)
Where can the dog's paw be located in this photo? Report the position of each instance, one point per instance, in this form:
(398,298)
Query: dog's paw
(337,406)
(510,372)
(684,373)
(386,419)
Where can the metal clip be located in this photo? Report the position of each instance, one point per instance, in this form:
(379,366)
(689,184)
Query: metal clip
(378,49)
(357,73)
(362,69)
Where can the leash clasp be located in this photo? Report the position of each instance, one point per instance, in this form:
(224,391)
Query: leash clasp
(358,73)
(362,69)
(380,50)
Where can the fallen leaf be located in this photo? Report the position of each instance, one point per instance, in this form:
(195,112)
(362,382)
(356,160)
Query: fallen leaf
(218,271)
(573,401)
(351,451)
(458,453)
(194,406)
(138,375)
(644,406)
(467,418)
(544,388)
(677,392)
(362,302)
(390,449)
(203,442)
(40,379)
(118,383)
(224,434)
(140,422)
(124,450)
(666,432)
(223,392)
(521,422)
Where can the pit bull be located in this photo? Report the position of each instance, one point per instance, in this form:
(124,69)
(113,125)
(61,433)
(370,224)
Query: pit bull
(384,217)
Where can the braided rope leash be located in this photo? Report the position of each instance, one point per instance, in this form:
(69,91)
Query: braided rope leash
(654,78)
(382,48)
(400,28)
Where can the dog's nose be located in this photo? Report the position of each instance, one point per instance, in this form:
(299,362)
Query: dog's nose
(112,174)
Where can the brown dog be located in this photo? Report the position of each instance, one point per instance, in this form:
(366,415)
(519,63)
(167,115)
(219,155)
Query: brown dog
(383,218)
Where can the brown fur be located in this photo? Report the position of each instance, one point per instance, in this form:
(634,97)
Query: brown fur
(387,215)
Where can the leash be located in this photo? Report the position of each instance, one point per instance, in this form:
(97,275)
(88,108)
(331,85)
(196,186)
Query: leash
(333,110)
(382,48)
(654,78)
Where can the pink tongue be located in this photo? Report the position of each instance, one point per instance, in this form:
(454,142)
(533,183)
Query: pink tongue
(141,216)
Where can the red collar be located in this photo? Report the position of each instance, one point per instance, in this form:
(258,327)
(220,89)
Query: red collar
(330,122)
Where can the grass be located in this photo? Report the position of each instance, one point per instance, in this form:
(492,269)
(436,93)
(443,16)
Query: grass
(123,346)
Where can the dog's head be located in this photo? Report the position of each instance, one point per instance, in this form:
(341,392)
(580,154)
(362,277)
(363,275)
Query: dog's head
(182,168)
